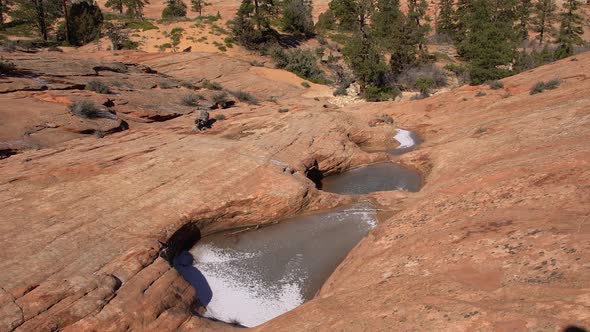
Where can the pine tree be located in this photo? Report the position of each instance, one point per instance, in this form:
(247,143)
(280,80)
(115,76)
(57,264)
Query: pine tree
(251,26)
(419,23)
(571,29)
(386,22)
(444,22)
(297,17)
(368,66)
(198,6)
(523,12)
(352,15)
(543,19)
(85,21)
(405,50)
(42,13)
(174,8)
(115,5)
(5,6)
(491,41)
(134,7)
(462,18)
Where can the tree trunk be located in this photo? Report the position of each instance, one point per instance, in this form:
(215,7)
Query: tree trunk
(67,20)
(1,14)
(257,15)
(40,9)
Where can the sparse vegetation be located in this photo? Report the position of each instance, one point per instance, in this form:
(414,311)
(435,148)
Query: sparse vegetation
(283,110)
(480,93)
(220,98)
(385,118)
(174,9)
(302,63)
(192,99)
(6,67)
(188,85)
(142,25)
(305,85)
(98,87)
(210,85)
(541,86)
(85,108)
(166,84)
(219,117)
(496,85)
(418,77)
(245,97)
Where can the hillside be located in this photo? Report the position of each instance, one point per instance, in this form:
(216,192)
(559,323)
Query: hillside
(497,238)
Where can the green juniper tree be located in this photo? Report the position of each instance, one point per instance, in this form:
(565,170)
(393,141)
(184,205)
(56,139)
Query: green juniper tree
(571,29)
(198,6)
(85,22)
(419,23)
(174,8)
(134,7)
(490,42)
(386,23)
(251,26)
(297,17)
(5,6)
(444,21)
(523,13)
(543,19)
(41,13)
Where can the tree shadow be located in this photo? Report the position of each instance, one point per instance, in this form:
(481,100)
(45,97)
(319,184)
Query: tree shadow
(183,263)
(573,328)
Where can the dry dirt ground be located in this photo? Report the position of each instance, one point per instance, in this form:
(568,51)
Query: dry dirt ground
(497,239)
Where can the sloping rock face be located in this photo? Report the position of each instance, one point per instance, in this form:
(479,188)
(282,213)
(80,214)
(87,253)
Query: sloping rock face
(498,237)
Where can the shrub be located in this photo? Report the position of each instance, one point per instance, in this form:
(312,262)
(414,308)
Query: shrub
(374,93)
(210,85)
(142,25)
(98,87)
(420,96)
(192,99)
(283,110)
(496,85)
(305,85)
(6,67)
(302,63)
(538,88)
(85,109)
(541,86)
(166,85)
(220,98)
(385,118)
(416,77)
(188,85)
(119,67)
(553,84)
(174,8)
(480,93)
(255,63)
(341,91)
(219,117)
(245,97)
(85,21)
(425,85)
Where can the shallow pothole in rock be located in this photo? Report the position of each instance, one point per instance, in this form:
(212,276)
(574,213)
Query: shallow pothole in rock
(373,178)
(247,278)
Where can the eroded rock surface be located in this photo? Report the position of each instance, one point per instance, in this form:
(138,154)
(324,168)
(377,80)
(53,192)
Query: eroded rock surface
(498,237)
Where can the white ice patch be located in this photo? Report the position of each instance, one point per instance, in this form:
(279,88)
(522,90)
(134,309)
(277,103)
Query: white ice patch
(238,296)
(404,137)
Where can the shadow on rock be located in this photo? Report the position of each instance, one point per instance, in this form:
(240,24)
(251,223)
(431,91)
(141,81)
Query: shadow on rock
(183,263)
